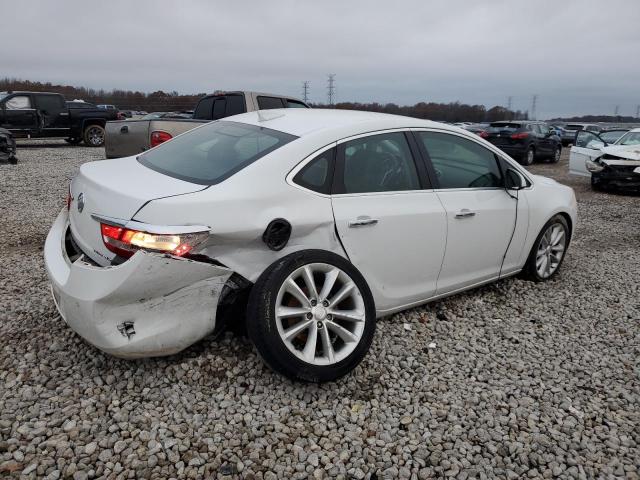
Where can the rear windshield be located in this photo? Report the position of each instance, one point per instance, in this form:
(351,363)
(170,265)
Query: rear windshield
(212,153)
(495,126)
(574,127)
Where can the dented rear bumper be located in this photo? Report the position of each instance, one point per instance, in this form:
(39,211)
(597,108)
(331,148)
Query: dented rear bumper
(151,305)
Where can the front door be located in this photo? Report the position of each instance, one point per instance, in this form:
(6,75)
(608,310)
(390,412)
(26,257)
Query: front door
(481,215)
(390,221)
(19,114)
(587,148)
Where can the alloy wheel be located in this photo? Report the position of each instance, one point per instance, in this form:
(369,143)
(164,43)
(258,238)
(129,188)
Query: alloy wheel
(551,249)
(96,136)
(320,314)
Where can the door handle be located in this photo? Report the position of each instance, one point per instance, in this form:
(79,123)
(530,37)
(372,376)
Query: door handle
(124,129)
(465,213)
(362,222)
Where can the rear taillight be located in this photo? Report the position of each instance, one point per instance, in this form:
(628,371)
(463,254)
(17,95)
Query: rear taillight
(120,116)
(125,242)
(159,137)
(519,136)
(484,134)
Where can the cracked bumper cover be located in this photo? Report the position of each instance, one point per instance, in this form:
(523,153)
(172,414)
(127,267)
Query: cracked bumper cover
(151,305)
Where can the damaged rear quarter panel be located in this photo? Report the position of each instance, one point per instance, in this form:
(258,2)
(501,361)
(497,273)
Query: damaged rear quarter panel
(239,209)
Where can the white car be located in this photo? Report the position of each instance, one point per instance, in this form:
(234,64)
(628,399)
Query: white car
(610,158)
(330,218)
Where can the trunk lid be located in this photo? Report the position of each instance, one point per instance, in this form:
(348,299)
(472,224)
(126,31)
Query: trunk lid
(115,189)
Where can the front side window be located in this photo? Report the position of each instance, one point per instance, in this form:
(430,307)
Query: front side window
(461,163)
(588,139)
(379,163)
(212,153)
(19,102)
(317,175)
(267,103)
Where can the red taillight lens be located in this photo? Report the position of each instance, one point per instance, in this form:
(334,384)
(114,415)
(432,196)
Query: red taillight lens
(125,242)
(120,116)
(159,137)
(519,136)
(483,134)
(69,199)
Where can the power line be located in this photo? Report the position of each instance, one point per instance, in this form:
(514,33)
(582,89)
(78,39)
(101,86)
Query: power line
(305,91)
(331,88)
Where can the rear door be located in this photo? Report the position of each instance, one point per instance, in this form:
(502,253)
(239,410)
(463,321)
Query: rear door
(546,145)
(54,113)
(389,219)
(587,148)
(481,215)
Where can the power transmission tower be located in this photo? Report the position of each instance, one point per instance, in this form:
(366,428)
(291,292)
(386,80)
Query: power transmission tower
(533,106)
(331,87)
(616,110)
(638,111)
(509,101)
(305,91)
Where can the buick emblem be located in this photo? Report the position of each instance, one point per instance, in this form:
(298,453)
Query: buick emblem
(80,202)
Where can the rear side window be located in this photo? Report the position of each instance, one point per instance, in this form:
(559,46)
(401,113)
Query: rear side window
(378,163)
(219,108)
(461,163)
(235,105)
(212,153)
(317,175)
(267,103)
(204,108)
(49,103)
(295,104)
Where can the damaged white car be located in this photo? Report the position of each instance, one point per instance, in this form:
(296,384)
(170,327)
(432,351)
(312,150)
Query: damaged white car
(609,165)
(328,218)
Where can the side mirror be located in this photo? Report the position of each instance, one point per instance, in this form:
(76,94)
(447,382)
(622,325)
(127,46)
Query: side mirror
(514,180)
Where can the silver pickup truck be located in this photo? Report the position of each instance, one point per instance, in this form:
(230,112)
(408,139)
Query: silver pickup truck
(130,137)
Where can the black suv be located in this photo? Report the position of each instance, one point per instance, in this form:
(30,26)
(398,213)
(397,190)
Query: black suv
(524,140)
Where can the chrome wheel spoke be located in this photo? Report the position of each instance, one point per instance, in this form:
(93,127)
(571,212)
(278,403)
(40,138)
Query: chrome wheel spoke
(351,315)
(309,351)
(288,312)
(342,294)
(293,332)
(307,274)
(293,288)
(550,250)
(342,332)
(330,278)
(327,347)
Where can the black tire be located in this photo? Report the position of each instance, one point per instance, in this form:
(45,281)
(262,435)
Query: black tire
(529,271)
(595,185)
(13,160)
(263,331)
(557,153)
(529,156)
(93,136)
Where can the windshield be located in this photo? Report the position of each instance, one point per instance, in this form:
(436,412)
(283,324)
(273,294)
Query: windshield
(212,153)
(612,135)
(497,126)
(629,138)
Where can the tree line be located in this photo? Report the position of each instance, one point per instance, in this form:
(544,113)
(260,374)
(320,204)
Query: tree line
(173,101)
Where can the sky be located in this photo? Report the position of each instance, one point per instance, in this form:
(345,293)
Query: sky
(578,56)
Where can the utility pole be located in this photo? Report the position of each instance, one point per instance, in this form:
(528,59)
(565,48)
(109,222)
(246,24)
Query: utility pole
(331,88)
(533,106)
(509,101)
(305,91)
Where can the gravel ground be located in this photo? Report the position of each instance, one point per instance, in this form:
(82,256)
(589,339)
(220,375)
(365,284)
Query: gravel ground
(511,380)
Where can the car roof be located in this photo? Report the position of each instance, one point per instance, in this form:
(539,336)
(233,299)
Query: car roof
(342,123)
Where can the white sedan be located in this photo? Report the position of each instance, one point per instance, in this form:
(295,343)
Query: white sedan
(328,218)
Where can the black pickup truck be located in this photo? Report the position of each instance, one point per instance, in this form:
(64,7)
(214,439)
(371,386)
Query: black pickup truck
(47,115)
